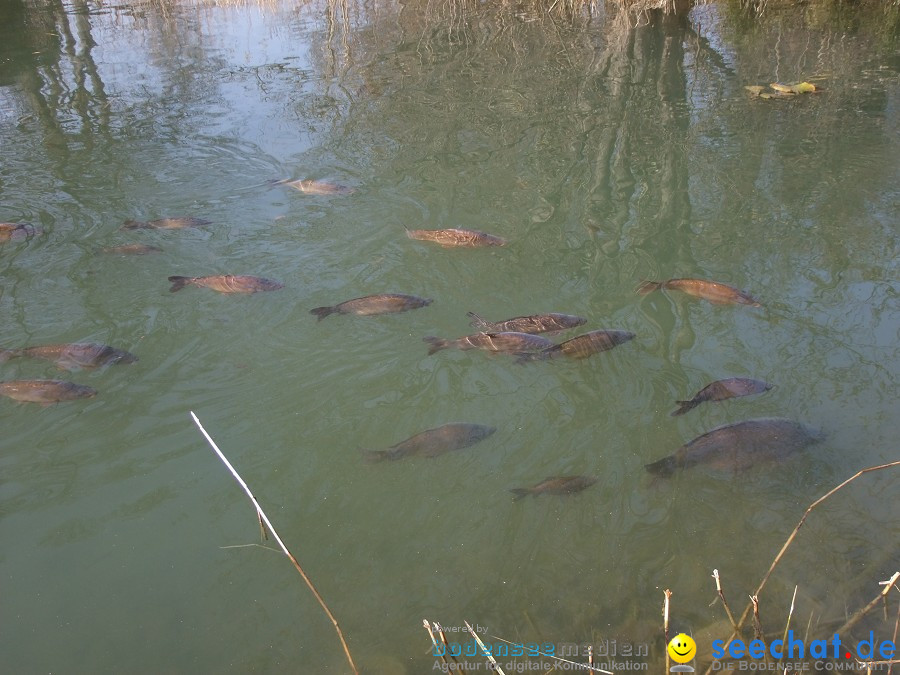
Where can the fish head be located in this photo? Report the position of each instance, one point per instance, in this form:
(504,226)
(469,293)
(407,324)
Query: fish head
(122,356)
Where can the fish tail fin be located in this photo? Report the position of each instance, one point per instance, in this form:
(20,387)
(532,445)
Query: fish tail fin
(374,456)
(7,354)
(436,344)
(648,287)
(685,406)
(520,493)
(322,312)
(663,467)
(477,321)
(528,357)
(178,283)
(134,225)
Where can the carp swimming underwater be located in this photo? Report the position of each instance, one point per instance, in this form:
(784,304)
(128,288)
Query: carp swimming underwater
(714,291)
(739,446)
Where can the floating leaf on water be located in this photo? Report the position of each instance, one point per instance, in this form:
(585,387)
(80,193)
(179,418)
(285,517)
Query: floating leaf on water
(783,88)
(755,89)
(803,87)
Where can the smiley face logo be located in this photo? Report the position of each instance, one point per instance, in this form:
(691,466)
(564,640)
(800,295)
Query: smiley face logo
(682,648)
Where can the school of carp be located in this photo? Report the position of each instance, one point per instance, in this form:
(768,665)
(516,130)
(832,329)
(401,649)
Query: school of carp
(731,448)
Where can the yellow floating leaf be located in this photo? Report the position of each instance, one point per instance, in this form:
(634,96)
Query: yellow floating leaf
(803,87)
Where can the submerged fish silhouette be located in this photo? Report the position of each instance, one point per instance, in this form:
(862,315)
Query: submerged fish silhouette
(535,323)
(433,442)
(582,346)
(714,291)
(457,237)
(227,283)
(176,223)
(74,355)
(44,391)
(720,390)
(385,303)
(557,485)
(18,231)
(492,342)
(739,446)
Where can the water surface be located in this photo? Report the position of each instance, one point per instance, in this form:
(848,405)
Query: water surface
(605,154)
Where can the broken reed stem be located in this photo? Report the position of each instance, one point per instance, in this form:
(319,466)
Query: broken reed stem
(896,625)
(787,626)
(757,624)
(793,534)
(485,650)
(715,575)
(790,540)
(447,649)
(434,642)
(853,620)
(668,594)
(264,518)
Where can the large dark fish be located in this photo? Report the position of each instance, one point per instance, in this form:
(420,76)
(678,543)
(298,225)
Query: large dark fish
(178,223)
(720,390)
(227,283)
(714,291)
(558,485)
(457,237)
(44,391)
(582,346)
(132,249)
(738,446)
(492,342)
(17,231)
(73,356)
(385,303)
(535,323)
(316,187)
(434,442)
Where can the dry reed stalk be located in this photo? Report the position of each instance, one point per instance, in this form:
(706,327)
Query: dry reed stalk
(757,624)
(447,649)
(668,594)
(264,518)
(793,534)
(853,620)
(894,640)
(788,543)
(427,625)
(787,626)
(485,650)
(715,575)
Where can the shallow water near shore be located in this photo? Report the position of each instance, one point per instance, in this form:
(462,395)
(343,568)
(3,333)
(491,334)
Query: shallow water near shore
(605,155)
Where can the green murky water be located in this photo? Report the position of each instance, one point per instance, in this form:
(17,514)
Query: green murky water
(605,154)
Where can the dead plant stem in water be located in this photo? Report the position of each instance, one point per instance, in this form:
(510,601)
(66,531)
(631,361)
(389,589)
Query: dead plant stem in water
(668,594)
(754,605)
(264,518)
